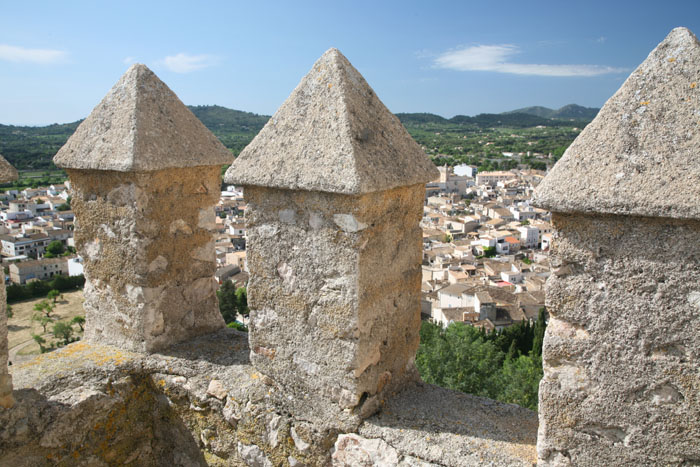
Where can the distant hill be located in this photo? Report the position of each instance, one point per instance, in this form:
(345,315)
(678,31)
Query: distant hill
(483,121)
(234,128)
(32,147)
(420,118)
(28,147)
(223,119)
(568,112)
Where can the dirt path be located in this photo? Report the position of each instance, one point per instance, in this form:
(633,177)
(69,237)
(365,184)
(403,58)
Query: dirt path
(12,354)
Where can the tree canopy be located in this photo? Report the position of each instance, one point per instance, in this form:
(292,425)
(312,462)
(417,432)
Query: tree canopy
(504,365)
(232,301)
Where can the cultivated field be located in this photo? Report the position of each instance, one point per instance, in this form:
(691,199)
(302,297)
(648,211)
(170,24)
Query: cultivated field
(21,327)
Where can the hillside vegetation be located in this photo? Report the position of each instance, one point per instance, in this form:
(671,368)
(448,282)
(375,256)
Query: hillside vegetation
(477,140)
(568,112)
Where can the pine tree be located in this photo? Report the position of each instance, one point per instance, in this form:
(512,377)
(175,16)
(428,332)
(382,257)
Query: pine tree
(539,328)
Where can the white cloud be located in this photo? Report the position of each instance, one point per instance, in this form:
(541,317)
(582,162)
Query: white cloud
(129,60)
(13,53)
(184,63)
(496,58)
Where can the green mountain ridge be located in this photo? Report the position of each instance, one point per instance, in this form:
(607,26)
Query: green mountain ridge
(570,112)
(33,147)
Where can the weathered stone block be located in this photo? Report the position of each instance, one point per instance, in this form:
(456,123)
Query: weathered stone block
(145,175)
(621,351)
(7,173)
(335,290)
(139,234)
(621,383)
(335,187)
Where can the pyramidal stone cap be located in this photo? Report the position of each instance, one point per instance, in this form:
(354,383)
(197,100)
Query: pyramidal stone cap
(332,134)
(7,172)
(141,126)
(641,154)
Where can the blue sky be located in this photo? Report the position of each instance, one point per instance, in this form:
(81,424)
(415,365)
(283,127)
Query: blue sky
(58,59)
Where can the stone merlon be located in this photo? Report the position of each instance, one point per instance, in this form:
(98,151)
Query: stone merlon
(332,134)
(640,154)
(620,354)
(141,126)
(145,175)
(7,172)
(335,189)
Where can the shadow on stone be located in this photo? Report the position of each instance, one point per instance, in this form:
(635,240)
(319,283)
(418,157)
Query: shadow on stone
(224,347)
(452,428)
(109,423)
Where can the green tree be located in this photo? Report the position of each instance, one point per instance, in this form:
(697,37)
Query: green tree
(238,326)
(242,301)
(63,330)
(16,292)
(538,333)
(9,312)
(520,381)
(65,206)
(53,295)
(80,321)
(61,282)
(512,351)
(228,305)
(457,357)
(232,301)
(499,365)
(489,251)
(41,341)
(44,307)
(54,249)
(42,319)
(38,289)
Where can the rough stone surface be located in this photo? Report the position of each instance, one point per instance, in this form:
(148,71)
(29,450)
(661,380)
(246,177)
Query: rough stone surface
(253,456)
(332,134)
(335,308)
(141,125)
(354,450)
(621,383)
(425,423)
(7,172)
(640,154)
(140,234)
(96,405)
(6,399)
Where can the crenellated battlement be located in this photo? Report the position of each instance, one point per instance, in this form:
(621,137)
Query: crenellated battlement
(335,188)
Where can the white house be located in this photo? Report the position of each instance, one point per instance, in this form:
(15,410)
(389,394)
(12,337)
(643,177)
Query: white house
(529,236)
